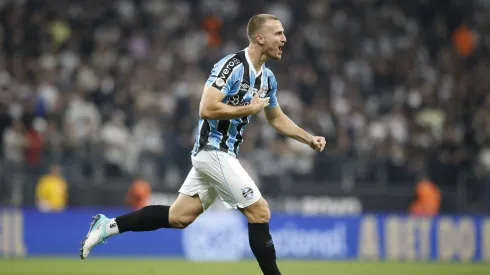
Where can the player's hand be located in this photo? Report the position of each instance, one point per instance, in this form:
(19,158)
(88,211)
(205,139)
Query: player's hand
(257,103)
(317,143)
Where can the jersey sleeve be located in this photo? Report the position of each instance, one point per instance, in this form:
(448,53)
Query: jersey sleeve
(225,74)
(273,92)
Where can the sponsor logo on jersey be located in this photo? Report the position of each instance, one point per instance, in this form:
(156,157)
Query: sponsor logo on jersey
(225,72)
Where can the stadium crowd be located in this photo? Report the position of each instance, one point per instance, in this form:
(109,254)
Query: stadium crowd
(399,90)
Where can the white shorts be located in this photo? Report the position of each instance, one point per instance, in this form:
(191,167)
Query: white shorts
(216,173)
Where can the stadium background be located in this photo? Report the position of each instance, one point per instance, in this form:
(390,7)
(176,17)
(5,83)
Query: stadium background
(108,92)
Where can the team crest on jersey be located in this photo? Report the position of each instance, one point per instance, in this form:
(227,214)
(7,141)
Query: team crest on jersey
(262,94)
(244,87)
(247,192)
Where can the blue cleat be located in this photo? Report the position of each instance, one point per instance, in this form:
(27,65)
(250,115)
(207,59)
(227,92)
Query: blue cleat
(96,235)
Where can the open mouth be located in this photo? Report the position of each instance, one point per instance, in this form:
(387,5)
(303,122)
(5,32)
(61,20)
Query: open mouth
(280,48)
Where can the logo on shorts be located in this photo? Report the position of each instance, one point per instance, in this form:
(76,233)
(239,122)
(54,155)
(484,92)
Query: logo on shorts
(247,192)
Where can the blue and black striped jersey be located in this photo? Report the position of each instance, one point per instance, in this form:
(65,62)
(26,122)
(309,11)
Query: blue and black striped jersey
(236,78)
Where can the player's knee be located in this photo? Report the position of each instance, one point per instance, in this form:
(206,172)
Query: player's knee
(180,221)
(258,212)
(184,211)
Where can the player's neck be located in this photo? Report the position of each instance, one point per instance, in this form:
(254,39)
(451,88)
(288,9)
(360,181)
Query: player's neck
(256,56)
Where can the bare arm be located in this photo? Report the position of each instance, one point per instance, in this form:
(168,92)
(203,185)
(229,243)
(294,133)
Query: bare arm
(212,107)
(284,125)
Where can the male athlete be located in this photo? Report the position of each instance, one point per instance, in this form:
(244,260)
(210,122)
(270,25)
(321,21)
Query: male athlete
(239,86)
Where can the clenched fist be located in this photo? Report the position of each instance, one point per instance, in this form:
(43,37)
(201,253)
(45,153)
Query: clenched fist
(317,143)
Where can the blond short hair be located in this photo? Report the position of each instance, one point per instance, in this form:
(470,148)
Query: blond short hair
(256,22)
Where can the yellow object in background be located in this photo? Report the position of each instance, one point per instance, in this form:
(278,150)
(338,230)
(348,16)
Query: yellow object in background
(60,31)
(51,191)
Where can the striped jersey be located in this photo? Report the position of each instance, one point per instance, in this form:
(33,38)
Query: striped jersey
(236,78)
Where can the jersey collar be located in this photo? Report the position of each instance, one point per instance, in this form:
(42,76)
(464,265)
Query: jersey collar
(249,61)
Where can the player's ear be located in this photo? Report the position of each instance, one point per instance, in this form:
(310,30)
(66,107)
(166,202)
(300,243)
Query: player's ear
(260,39)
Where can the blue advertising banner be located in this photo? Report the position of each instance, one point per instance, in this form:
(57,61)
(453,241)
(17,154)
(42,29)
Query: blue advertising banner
(223,236)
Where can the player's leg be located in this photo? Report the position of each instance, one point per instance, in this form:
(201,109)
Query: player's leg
(196,195)
(182,212)
(260,239)
(238,190)
(193,199)
(179,215)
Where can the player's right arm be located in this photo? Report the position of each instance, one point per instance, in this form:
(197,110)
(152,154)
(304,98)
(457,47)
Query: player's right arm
(212,106)
(224,79)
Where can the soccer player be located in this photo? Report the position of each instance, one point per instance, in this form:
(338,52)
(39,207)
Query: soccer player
(240,85)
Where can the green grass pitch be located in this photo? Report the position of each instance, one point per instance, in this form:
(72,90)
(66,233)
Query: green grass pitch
(126,266)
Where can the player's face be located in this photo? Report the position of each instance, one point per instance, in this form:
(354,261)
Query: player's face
(274,39)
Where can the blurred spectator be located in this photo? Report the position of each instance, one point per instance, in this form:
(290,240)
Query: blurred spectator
(14,142)
(148,143)
(398,90)
(464,40)
(34,145)
(428,199)
(138,194)
(116,138)
(82,120)
(52,191)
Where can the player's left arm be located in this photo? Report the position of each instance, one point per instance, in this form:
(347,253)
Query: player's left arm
(284,125)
